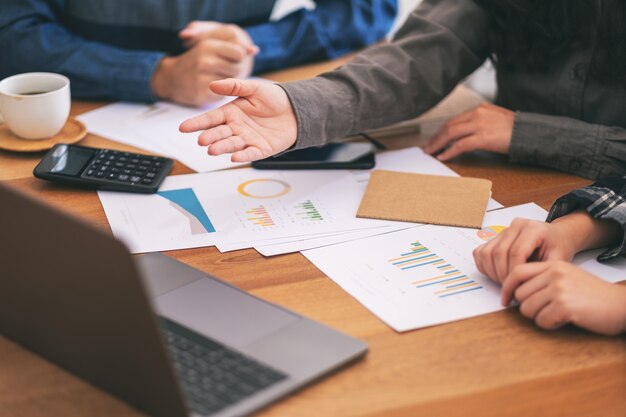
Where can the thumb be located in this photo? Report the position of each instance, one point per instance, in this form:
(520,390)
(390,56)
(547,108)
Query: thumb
(235,87)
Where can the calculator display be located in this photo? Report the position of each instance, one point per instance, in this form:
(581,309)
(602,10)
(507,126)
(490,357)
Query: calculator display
(70,160)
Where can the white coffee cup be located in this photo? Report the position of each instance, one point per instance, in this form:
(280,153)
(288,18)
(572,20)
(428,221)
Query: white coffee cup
(35,105)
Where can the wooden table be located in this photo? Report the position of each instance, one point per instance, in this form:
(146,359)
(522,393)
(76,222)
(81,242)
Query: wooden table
(498,364)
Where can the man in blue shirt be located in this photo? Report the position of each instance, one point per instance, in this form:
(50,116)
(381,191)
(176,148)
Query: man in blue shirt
(144,50)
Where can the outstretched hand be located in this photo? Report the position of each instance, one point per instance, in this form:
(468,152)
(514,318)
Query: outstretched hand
(258,124)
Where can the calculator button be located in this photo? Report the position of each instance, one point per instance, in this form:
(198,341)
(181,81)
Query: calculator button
(100,174)
(146,181)
(150,175)
(134,160)
(111,176)
(123,177)
(131,166)
(119,165)
(155,169)
(111,157)
(158,164)
(116,170)
(142,168)
(127,171)
(135,179)
(91,172)
(145,162)
(103,168)
(107,163)
(122,159)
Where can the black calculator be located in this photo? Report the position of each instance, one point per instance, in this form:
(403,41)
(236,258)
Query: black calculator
(103,169)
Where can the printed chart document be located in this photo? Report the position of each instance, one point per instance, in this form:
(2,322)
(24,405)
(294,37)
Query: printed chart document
(412,160)
(240,205)
(155,129)
(426,275)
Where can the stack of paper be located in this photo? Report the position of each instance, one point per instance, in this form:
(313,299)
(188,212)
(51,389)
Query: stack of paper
(273,211)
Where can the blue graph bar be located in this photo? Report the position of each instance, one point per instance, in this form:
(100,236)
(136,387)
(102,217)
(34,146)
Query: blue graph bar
(412,259)
(422,264)
(443,280)
(459,292)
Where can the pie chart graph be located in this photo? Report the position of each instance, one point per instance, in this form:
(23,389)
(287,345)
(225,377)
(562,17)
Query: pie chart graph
(489,232)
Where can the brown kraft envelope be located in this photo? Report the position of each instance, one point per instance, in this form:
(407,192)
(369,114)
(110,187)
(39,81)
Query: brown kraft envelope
(434,199)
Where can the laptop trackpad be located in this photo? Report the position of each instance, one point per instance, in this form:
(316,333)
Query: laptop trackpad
(222,312)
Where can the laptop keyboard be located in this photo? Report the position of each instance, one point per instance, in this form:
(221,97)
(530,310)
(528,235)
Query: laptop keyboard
(213,376)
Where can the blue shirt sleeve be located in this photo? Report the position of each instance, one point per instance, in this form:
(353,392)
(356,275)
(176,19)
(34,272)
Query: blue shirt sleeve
(32,38)
(332,29)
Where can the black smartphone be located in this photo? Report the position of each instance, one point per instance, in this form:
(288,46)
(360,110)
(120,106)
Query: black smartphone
(332,156)
(103,169)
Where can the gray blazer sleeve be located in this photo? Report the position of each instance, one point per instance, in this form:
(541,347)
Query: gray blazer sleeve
(584,149)
(441,43)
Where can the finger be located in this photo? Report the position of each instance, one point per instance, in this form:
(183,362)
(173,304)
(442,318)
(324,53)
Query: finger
(231,144)
(227,50)
(464,145)
(488,261)
(213,135)
(551,317)
(206,120)
(534,304)
(478,259)
(249,154)
(449,133)
(503,245)
(221,67)
(523,248)
(518,276)
(198,27)
(528,289)
(234,87)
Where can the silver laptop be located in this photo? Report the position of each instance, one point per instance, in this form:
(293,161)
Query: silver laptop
(166,338)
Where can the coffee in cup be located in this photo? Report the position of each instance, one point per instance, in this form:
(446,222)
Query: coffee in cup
(35,105)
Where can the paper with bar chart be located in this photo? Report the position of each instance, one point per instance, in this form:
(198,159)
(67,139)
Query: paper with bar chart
(421,276)
(269,205)
(239,206)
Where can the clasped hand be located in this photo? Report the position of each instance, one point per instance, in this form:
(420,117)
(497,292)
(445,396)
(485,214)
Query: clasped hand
(215,51)
(531,260)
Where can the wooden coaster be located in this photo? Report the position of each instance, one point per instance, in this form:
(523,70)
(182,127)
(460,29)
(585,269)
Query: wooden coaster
(72,132)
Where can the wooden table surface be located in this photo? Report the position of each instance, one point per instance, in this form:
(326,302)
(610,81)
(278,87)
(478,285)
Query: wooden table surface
(498,364)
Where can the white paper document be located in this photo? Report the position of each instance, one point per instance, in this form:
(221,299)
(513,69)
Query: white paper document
(426,275)
(240,205)
(412,160)
(154,128)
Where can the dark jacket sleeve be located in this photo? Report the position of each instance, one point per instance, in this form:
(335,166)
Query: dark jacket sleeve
(33,38)
(569,145)
(606,200)
(332,29)
(441,43)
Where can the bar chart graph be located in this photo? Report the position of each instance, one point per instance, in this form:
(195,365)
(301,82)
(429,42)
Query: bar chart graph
(260,217)
(307,211)
(433,272)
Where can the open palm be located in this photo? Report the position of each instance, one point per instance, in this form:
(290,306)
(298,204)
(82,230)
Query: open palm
(257,124)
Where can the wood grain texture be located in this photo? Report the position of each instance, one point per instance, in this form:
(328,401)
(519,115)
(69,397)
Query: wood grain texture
(498,364)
